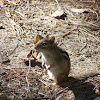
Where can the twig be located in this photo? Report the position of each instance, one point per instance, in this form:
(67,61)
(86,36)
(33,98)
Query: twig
(85,41)
(91,34)
(61,91)
(43,82)
(28,90)
(58,4)
(18,29)
(20,13)
(13,50)
(93,11)
(83,47)
(66,33)
(16,68)
(40,10)
(58,93)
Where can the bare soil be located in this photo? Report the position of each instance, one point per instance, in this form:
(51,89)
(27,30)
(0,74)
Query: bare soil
(78,33)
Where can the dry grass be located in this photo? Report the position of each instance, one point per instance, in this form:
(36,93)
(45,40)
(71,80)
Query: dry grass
(78,33)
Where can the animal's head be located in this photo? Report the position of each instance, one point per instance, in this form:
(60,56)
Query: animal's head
(45,43)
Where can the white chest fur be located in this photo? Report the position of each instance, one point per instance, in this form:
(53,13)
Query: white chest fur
(47,66)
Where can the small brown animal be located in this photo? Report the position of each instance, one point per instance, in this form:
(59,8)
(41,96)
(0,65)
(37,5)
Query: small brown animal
(57,61)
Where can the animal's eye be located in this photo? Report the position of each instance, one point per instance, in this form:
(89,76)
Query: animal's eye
(44,44)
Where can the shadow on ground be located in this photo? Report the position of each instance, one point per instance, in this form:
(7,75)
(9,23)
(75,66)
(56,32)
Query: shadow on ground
(81,89)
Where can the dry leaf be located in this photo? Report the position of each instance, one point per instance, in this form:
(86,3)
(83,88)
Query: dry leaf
(59,14)
(78,10)
(97,91)
(38,37)
(30,55)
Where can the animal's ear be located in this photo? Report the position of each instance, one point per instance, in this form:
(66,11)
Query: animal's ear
(38,37)
(47,36)
(52,38)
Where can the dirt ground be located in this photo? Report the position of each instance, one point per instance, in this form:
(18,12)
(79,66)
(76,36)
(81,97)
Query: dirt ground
(78,33)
